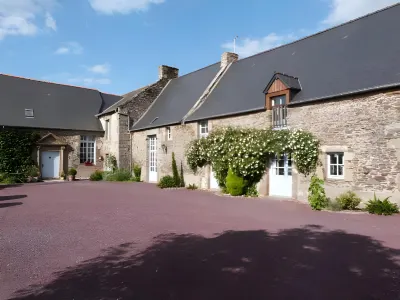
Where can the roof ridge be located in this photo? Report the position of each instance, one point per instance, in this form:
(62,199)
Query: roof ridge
(57,83)
(196,70)
(325,30)
(287,75)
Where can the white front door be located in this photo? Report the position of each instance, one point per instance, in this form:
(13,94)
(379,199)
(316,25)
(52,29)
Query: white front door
(153,159)
(280,182)
(213,181)
(50,161)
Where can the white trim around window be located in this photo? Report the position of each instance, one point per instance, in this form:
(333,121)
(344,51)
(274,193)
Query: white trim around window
(169,135)
(335,165)
(203,129)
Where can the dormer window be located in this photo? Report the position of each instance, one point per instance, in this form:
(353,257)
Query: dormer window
(29,113)
(278,94)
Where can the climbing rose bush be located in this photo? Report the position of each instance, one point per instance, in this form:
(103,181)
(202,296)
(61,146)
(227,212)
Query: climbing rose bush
(248,151)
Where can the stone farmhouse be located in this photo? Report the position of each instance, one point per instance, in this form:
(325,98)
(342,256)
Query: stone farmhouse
(342,85)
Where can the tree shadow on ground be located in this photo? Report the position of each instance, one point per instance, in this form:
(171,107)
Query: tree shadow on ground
(5,205)
(12,197)
(299,263)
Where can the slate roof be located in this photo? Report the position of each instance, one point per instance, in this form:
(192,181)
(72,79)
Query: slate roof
(357,56)
(121,101)
(55,106)
(177,98)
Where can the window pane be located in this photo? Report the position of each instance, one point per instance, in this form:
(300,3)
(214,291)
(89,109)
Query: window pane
(290,171)
(340,159)
(281,163)
(341,170)
(333,159)
(281,171)
(334,170)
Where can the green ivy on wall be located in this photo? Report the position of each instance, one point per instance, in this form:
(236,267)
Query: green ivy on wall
(247,152)
(16,148)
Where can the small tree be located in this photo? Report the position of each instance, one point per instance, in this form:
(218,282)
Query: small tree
(182,180)
(175,173)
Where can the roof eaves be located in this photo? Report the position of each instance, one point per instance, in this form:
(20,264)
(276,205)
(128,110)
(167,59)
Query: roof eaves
(242,112)
(155,126)
(350,93)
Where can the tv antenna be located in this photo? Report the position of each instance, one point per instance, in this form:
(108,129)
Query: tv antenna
(234,44)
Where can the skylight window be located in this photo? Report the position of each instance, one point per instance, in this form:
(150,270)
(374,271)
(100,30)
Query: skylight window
(29,113)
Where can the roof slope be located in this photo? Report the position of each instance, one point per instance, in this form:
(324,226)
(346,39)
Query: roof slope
(359,55)
(177,99)
(55,106)
(109,101)
(120,101)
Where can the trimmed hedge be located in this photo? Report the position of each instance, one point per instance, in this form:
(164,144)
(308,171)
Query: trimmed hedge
(235,185)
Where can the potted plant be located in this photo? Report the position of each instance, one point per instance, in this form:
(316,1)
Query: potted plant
(63,176)
(88,163)
(71,174)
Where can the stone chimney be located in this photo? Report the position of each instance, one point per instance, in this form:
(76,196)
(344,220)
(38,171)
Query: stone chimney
(227,58)
(166,72)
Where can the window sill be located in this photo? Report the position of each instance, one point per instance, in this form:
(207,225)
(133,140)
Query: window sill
(335,178)
(280,128)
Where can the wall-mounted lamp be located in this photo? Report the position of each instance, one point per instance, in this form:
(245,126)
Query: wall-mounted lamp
(164,148)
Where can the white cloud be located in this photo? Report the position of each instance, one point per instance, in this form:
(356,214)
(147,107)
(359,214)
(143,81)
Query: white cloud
(50,22)
(18,17)
(90,81)
(110,7)
(100,69)
(345,10)
(70,48)
(248,46)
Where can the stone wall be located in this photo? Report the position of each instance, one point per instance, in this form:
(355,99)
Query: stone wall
(181,137)
(367,129)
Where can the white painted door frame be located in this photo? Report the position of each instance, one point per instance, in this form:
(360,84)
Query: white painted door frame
(152,158)
(280,177)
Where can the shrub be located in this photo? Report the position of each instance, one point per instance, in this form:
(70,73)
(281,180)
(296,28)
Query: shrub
(72,172)
(5,179)
(192,187)
(182,179)
(119,175)
(32,171)
(382,207)
(251,191)
(316,194)
(175,173)
(333,205)
(348,201)
(167,182)
(137,171)
(96,176)
(235,184)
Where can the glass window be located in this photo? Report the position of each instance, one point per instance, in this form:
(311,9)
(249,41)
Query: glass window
(108,133)
(87,149)
(335,165)
(203,129)
(169,136)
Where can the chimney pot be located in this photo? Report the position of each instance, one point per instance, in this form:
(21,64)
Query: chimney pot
(227,58)
(166,72)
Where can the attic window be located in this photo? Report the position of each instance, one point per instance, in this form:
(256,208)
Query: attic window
(29,113)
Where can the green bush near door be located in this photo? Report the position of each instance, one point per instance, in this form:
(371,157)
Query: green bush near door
(235,185)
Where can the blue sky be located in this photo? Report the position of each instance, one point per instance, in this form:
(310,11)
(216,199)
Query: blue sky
(117,45)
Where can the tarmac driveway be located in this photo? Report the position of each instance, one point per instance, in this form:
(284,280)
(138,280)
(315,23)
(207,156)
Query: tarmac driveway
(88,240)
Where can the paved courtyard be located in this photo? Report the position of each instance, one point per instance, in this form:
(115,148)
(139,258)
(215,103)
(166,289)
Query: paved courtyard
(89,240)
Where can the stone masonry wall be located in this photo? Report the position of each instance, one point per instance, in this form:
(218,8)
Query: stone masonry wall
(129,113)
(367,129)
(181,137)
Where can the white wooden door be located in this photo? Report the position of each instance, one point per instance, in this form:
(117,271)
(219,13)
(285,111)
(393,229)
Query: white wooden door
(213,181)
(280,182)
(153,159)
(50,161)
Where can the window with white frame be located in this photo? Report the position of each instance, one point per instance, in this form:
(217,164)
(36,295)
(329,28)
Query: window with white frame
(108,133)
(335,165)
(169,136)
(87,149)
(203,129)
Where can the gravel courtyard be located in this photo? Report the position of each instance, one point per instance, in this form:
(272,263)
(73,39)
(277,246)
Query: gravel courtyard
(87,240)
